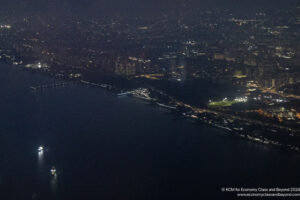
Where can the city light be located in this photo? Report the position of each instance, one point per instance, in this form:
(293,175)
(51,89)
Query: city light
(5,27)
(241,99)
(41,150)
(53,171)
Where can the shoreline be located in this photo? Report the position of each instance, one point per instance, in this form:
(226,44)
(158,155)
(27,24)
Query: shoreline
(186,111)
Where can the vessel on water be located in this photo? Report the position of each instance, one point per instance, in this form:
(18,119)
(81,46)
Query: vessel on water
(53,171)
(41,150)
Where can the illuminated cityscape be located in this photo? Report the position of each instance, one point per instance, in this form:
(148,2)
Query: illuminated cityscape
(251,53)
(233,69)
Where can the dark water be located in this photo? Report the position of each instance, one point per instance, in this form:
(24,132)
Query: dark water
(105,147)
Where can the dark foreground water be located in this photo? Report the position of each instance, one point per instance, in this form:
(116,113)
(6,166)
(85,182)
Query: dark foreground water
(111,148)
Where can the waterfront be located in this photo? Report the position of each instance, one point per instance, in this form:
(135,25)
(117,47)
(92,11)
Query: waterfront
(110,147)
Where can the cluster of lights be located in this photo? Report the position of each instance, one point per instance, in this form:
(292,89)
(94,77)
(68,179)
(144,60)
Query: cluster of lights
(268,97)
(38,65)
(5,26)
(41,148)
(278,100)
(141,91)
(237,99)
(53,171)
(241,99)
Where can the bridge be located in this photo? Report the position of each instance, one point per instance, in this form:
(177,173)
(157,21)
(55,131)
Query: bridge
(53,85)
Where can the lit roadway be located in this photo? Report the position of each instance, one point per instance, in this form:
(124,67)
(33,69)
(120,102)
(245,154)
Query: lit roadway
(273,91)
(203,110)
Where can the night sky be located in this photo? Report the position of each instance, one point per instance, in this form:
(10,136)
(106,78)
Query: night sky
(110,8)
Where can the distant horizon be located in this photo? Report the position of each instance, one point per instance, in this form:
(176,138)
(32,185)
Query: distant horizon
(132,8)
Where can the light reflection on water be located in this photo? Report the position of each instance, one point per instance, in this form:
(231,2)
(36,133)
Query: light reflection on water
(53,184)
(40,162)
(40,158)
(45,173)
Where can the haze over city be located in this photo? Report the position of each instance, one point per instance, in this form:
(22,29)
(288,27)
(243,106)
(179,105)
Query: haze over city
(178,99)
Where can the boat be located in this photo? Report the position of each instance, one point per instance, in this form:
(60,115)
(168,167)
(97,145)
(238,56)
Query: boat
(53,171)
(41,150)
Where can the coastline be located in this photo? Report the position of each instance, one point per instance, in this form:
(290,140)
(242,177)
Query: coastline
(196,114)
